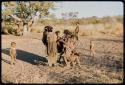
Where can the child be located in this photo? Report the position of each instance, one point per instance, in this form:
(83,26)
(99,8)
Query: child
(58,34)
(59,44)
(44,39)
(74,59)
(92,52)
(52,46)
(69,47)
(13,52)
(77,30)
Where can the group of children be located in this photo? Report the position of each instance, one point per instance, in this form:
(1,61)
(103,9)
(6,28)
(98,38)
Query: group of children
(64,45)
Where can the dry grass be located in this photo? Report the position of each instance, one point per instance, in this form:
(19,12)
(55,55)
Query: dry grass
(113,29)
(35,30)
(85,30)
(105,67)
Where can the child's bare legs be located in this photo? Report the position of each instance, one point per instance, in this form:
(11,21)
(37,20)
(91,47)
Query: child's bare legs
(49,61)
(60,56)
(67,58)
(12,60)
(54,59)
(92,52)
(73,63)
(68,64)
(78,62)
(15,59)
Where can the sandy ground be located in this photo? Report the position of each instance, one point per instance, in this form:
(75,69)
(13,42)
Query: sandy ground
(31,65)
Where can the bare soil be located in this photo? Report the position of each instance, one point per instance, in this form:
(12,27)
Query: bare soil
(31,65)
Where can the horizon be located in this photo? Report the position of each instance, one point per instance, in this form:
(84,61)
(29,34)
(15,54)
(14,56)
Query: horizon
(94,8)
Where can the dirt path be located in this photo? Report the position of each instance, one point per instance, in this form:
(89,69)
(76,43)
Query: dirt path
(31,66)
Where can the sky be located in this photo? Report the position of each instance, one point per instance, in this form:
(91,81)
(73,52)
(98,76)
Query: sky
(89,8)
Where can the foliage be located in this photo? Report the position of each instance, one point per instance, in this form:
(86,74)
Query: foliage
(25,10)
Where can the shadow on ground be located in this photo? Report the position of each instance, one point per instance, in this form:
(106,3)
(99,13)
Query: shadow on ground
(25,56)
(107,61)
(6,61)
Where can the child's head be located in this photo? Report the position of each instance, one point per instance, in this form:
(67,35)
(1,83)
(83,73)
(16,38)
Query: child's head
(48,28)
(13,44)
(67,32)
(57,33)
(45,29)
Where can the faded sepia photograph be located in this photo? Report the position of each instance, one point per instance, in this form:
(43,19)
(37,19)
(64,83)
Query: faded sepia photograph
(62,42)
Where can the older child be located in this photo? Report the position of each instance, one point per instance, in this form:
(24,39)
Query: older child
(92,51)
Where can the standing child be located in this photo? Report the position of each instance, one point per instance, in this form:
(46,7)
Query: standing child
(92,51)
(77,30)
(44,39)
(52,47)
(13,52)
(74,58)
(59,46)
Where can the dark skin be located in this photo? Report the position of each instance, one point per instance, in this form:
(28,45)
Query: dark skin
(92,51)
(76,31)
(62,43)
(44,39)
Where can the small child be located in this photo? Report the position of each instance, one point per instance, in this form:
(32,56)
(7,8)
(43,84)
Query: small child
(77,31)
(71,56)
(74,58)
(13,53)
(59,46)
(92,51)
(58,34)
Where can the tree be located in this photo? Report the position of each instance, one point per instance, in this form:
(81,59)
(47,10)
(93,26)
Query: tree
(70,15)
(26,11)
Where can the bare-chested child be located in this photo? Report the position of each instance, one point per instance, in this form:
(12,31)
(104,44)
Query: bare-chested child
(13,53)
(92,50)
(77,30)
(62,42)
(74,59)
(69,47)
(59,45)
